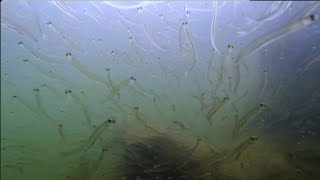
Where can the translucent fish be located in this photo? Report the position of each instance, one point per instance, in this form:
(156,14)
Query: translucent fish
(33,53)
(61,133)
(274,10)
(64,8)
(53,90)
(215,108)
(68,40)
(248,117)
(187,32)
(202,102)
(143,90)
(238,99)
(213,25)
(36,17)
(92,139)
(30,107)
(192,150)
(152,42)
(180,124)
(83,107)
(236,75)
(99,161)
(265,83)
(11,24)
(84,70)
(139,119)
(226,64)
(85,11)
(308,65)
(48,74)
(237,151)
(133,43)
(115,88)
(97,7)
(210,70)
(40,106)
(162,17)
(275,35)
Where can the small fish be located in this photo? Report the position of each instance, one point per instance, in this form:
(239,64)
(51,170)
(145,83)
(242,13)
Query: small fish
(61,133)
(33,53)
(307,66)
(269,38)
(251,115)
(85,146)
(64,8)
(83,107)
(172,108)
(237,151)
(138,118)
(180,124)
(84,70)
(185,27)
(210,69)
(94,18)
(215,107)
(265,82)
(40,106)
(152,42)
(213,26)
(277,34)
(191,152)
(115,88)
(30,107)
(11,24)
(133,42)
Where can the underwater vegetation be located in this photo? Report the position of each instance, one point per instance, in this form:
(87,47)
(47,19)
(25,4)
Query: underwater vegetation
(160,90)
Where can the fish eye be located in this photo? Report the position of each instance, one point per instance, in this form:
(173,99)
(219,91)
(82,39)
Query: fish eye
(109,120)
(107,69)
(69,91)
(253,138)
(262,105)
(14,96)
(20,42)
(312,17)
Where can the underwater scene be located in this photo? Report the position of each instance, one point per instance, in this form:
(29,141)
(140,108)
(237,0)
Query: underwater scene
(160,90)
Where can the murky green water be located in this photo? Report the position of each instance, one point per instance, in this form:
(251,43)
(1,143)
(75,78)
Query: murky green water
(160,90)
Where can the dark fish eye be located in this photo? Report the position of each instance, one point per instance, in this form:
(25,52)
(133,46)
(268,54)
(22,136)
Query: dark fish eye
(312,17)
